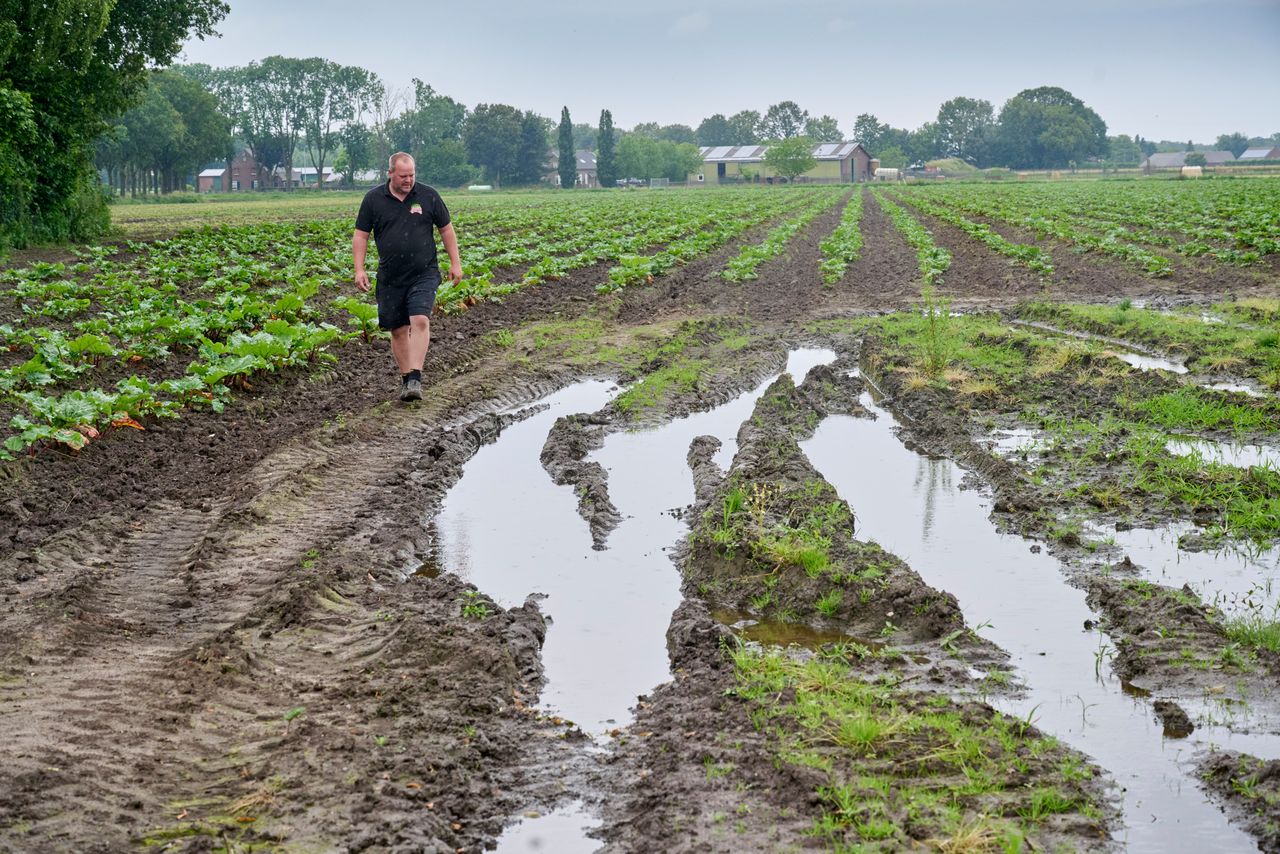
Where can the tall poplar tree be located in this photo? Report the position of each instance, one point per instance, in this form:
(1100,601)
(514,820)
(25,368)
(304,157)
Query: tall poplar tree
(606,159)
(568,157)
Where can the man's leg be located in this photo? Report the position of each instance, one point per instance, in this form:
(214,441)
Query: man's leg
(400,349)
(419,340)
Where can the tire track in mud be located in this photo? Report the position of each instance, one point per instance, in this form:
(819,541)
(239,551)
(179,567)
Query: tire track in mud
(179,625)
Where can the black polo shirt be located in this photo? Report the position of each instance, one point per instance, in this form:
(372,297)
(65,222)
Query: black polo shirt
(403,230)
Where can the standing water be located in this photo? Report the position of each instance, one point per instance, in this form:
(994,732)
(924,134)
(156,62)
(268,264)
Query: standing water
(508,529)
(913,506)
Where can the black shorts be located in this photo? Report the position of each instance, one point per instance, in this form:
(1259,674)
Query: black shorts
(396,303)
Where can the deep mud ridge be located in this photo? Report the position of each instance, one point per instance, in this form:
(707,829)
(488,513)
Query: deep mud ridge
(805,557)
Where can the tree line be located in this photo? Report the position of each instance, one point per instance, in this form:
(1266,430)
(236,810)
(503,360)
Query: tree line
(66,67)
(86,89)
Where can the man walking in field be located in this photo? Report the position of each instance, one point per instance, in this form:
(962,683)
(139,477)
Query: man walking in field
(402,215)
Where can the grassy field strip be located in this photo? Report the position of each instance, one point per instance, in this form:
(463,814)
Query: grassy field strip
(1246,342)
(1032,257)
(844,245)
(744,265)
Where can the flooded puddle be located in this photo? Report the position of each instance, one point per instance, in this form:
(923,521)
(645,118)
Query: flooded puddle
(1017,441)
(778,633)
(1149,363)
(1239,388)
(1235,454)
(508,529)
(1123,350)
(560,832)
(914,507)
(1235,580)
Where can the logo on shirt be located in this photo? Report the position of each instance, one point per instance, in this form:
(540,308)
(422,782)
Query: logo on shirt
(415,208)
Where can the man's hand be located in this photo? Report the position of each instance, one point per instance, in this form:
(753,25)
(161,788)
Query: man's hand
(362,281)
(455,273)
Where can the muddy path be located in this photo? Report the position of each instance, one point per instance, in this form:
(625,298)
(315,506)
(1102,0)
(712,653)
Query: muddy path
(214,634)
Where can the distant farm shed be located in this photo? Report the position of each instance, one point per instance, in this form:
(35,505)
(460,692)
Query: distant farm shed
(1178,159)
(838,162)
(1260,154)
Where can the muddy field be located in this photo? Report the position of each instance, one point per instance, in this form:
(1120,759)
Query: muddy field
(325,621)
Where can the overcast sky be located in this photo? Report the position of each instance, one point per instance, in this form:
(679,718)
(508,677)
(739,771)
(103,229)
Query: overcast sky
(1166,70)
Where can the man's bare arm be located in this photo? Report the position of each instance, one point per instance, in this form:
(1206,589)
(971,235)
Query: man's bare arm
(451,246)
(359,248)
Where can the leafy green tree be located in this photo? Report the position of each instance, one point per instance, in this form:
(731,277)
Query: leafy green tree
(1196,158)
(784,120)
(677,133)
(646,129)
(67,67)
(962,127)
(644,158)
(568,156)
(332,95)
(682,161)
(493,136)
(892,157)
(791,157)
(606,161)
(1124,151)
(531,156)
(638,156)
(922,144)
(1236,143)
(445,164)
(584,137)
(823,129)
(715,130)
(1047,128)
(746,127)
(871,133)
(357,151)
(432,131)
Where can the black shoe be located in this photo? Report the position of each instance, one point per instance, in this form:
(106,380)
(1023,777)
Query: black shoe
(411,390)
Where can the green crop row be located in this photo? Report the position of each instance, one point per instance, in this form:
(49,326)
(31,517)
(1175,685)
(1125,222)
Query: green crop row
(844,245)
(934,260)
(744,265)
(1033,257)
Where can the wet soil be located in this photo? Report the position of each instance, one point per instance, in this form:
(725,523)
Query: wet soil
(212,635)
(1250,790)
(1167,640)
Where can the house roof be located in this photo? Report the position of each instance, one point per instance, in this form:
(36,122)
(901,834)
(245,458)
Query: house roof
(586,159)
(1260,154)
(1171,159)
(755,153)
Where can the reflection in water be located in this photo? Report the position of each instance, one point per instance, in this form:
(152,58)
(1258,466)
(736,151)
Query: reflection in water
(932,476)
(1235,454)
(560,832)
(1235,580)
(1037,618)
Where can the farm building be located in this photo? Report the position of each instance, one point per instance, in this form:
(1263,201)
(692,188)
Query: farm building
(211,181)
(1178,159)
(587,175)
(838,162)
(1260,154)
